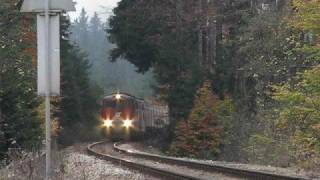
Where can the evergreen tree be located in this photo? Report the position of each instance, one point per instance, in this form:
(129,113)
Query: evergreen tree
(77,109)
(20,124)
(152,37)
(82,29)
(96,29)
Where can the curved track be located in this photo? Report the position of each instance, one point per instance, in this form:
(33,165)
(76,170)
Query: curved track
(172,168)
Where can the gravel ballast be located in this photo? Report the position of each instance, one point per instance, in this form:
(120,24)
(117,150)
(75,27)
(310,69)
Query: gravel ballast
(80,166)
(107,148)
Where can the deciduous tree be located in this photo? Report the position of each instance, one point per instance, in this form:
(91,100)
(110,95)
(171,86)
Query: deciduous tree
(202,134)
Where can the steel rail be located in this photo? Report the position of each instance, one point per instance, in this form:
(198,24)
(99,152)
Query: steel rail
(236,172)
(138,166)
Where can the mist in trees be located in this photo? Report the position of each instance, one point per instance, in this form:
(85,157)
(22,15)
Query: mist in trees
(90,34)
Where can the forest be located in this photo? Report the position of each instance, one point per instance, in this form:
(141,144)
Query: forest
(241,78)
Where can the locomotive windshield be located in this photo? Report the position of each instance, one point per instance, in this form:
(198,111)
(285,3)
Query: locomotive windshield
(109,103)
(125,107)
(118,104)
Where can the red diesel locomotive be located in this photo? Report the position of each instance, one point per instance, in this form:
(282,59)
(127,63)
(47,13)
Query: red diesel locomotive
(126,116)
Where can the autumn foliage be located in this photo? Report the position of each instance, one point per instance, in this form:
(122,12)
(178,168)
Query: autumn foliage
(201,135)
(299,117)
(307,16)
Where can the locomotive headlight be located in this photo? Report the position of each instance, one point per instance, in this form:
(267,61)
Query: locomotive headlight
(127,123)
(118,96)
(107,123)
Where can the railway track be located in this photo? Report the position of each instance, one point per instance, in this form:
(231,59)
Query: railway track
(172,168)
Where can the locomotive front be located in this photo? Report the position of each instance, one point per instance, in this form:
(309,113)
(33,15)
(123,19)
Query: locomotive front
(119,116)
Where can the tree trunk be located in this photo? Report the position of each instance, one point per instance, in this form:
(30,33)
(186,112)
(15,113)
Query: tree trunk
(179,15)
(212,40)
(200,33)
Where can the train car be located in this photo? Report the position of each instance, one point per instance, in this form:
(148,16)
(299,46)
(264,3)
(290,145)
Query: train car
(125,116)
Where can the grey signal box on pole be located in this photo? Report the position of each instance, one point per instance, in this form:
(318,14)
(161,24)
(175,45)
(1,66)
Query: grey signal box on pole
(54,55)
(53,62)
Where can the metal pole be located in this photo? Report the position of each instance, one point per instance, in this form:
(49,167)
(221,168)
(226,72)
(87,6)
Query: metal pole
(48,139)
(47,103)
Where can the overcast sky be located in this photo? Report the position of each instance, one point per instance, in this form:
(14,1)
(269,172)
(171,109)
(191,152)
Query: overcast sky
(91,6)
